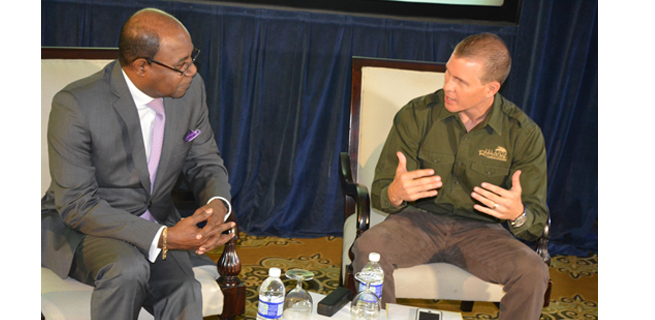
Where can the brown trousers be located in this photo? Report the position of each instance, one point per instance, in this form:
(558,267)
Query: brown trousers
(486,250)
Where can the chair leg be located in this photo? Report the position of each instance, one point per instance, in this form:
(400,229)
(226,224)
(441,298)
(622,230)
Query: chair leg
(466,306)
(547,295)
(235,301)
(350,280)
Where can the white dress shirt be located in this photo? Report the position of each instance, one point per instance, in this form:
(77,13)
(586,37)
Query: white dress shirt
(147,120)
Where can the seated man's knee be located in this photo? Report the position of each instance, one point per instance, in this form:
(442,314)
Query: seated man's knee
(530,268)
(126,270)
(191,286)
(365,244)
(373,240)
(189,283)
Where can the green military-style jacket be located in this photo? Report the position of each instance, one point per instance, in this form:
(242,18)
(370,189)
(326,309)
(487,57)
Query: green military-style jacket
(432,137)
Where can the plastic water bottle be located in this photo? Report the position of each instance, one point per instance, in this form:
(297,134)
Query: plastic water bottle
(271,296)
(373,266)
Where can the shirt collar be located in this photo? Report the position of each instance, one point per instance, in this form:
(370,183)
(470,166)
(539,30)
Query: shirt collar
(493,120)
(140,98)
(443,114)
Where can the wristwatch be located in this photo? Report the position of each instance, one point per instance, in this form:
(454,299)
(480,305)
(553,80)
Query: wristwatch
(521,219)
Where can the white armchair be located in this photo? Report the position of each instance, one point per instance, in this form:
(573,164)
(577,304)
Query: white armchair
(380,87)
(69,299)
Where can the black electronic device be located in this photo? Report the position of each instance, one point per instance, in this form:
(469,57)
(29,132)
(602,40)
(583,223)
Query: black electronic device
(334,301)
(428,314)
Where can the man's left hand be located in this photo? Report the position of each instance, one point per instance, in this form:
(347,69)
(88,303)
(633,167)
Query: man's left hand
(499,202)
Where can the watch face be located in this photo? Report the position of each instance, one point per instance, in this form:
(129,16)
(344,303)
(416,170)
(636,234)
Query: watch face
(519,221)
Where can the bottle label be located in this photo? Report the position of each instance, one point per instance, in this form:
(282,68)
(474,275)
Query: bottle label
(375,288)
(270,310)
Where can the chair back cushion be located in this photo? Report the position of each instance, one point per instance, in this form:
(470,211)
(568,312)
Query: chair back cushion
(55,75)
(384,91)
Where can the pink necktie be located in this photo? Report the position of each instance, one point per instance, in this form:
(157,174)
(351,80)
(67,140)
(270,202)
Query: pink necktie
(155,148)
(157,138)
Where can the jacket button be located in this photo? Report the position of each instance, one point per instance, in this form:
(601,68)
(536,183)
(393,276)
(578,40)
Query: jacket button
(149,204)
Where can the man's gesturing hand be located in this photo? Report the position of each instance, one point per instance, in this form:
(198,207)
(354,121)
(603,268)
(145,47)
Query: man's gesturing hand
(498,202)
(412,185)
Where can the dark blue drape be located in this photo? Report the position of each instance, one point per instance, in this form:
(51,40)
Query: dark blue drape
(556,83)
(278,85)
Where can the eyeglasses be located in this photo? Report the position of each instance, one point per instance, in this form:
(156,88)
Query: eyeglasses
(194,56)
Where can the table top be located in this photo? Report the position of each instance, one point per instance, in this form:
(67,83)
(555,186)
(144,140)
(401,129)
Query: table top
(393,311)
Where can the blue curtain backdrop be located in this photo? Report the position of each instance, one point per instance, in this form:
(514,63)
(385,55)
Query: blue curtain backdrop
(278,90)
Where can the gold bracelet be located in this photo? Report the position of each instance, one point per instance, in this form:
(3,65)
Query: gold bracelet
(164,249)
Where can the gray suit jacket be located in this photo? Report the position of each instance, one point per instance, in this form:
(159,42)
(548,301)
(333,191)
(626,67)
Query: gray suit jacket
(100,181)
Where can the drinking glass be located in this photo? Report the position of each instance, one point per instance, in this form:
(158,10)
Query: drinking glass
(366,304)
(298,303)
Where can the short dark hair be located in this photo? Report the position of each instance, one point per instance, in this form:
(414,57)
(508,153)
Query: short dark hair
(492,50)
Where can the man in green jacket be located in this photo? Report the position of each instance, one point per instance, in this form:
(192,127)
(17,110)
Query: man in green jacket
(456,164)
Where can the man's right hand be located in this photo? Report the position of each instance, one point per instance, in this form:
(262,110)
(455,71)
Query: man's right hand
(185,234)
(412,185)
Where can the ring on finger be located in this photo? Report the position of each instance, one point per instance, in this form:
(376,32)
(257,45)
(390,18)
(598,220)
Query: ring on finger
(495,206)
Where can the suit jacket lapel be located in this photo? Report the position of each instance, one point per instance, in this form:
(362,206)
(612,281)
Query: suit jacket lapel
(126,108)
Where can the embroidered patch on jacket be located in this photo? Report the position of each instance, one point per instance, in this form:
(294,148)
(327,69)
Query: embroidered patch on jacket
(499,154)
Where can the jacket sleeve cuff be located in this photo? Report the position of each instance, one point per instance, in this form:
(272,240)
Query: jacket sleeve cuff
(385,204)
(154,250)
(528,223)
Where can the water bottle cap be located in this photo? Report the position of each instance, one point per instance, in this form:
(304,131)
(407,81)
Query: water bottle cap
(374,256)
(274,272)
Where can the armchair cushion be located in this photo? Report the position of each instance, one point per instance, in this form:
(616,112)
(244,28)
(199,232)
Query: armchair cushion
(447,282)
(55,75)
(69,299)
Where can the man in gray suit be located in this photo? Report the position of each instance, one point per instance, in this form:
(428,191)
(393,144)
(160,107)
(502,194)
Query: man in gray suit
(107,218)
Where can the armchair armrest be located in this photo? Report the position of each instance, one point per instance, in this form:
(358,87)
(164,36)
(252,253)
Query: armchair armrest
(354,192)
(356,197)
(542,244)
(542,250)
(229,264)
(229,267)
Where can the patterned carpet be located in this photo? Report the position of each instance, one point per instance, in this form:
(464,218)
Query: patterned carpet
(574,295)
